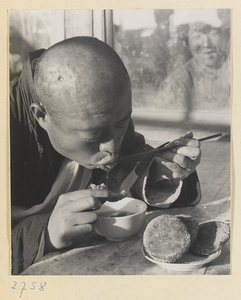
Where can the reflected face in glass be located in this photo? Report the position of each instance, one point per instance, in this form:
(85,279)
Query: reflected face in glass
(207,44)
(93,137)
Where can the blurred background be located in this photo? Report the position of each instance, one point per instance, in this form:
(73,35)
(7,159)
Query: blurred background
(178,61)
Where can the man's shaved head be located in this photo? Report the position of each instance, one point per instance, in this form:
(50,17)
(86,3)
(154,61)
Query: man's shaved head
(85,100)
(74,74)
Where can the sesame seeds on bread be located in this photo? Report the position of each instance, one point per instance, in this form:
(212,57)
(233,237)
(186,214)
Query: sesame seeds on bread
(166,238)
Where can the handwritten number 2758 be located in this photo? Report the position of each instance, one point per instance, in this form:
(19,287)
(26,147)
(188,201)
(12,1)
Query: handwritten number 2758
(33,286)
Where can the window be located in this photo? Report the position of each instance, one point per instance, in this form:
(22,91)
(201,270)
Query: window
(170,80)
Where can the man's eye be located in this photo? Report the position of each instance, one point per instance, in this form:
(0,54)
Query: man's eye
(196,35)
(214,32)
(90,139)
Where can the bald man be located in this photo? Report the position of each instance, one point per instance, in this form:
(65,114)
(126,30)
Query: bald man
(70,121)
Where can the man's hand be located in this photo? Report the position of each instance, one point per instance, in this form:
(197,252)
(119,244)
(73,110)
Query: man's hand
(74,214)
(179,162)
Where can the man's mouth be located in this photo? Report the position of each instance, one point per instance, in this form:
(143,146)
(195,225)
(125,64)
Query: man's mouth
(208,51)
(108,160)
(107,163)
(107,167)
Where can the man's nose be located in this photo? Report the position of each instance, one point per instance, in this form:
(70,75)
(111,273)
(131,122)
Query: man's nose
(206,41)
(110,146)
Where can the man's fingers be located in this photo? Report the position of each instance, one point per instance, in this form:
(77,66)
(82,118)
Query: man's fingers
(188,135)
(87,199)
(83,204)
(191,152)
(173,169)
(82,218)
(171,165)
(76,232)
(184,141)
(180,160)
(176,170)
(76,195)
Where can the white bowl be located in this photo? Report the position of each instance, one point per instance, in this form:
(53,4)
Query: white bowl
(118,221)
(188,262)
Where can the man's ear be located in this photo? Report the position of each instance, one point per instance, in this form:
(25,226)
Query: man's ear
(40,114)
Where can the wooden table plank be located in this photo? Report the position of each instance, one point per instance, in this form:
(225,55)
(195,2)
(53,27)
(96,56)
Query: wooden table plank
(214,170)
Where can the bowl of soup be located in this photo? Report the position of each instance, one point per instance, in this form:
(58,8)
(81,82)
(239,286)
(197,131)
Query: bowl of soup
(118,221)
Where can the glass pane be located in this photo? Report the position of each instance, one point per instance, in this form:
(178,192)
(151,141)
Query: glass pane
(178,60)
(30,30)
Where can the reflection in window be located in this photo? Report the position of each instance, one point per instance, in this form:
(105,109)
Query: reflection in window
(177,59)
(160,49)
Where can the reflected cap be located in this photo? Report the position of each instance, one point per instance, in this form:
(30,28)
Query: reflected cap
(213,17)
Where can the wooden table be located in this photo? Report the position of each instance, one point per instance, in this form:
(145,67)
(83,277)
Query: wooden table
(97,256)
